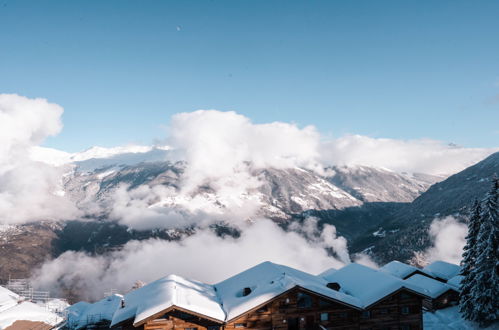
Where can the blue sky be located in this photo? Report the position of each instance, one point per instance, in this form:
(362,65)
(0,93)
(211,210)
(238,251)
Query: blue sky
(396,69)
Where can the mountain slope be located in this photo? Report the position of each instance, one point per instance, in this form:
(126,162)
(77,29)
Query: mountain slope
(409,225)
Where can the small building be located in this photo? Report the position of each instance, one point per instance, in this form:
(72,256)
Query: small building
(439,295)
(98,315)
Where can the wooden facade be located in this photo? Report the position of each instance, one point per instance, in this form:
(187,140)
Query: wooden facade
(446,299)
(300,309)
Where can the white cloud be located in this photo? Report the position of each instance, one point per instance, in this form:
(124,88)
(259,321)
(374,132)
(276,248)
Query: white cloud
(449,238)
(412,156)
(219,144)
(203,256)
(29,190)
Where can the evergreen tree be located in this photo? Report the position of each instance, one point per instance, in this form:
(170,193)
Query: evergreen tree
(470,253)
(485,288)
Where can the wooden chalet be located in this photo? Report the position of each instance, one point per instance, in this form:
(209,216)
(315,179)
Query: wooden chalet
(438,295)
(271,296)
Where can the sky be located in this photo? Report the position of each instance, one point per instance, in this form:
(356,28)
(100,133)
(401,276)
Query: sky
(122,69)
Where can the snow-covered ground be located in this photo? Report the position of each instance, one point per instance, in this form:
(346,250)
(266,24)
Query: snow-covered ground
(449,318)
(13,308)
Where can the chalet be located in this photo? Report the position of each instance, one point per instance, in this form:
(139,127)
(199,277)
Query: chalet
(271,296)
(99,314)
(403,271)
(439,295)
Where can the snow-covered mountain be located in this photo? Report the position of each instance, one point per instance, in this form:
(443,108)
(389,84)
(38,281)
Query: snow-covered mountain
(279,193)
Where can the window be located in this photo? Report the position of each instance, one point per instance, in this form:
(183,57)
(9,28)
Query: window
(262,309)
(366,314)
(191,328)
(405,327)
(383,311)
(405,310)
(324,316)
(304,300)
(325,303)
(405,295)
(240,325)
(343,315)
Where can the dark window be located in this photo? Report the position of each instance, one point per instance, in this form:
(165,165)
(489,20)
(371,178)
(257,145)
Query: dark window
(405,295)
(304,300)
(366,314)
(325,303)
(334,286)
(263,309)
(343,315)
(405,310)
(324,316)
(405,327)
(246,291)
(191,328)
(383,311)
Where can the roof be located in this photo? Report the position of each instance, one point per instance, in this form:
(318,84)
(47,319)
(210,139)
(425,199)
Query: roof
(400,269)
(443,269)
(267,281)
(428,286)
(455,282)
(367,284)
(169,291)
(81,313)
(8,299)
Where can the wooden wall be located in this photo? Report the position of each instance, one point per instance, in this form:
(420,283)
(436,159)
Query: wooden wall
(284,313)
(302,310)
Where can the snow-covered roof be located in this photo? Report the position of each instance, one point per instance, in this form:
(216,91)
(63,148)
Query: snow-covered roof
(81,313)
(367,284)
(455,282)
(400,269)
(27,311)
(428,286)
(168,292)
(267,281)
(7,298)
(443,269)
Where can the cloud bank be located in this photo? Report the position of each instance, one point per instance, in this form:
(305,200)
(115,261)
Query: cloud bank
(412,156)
(203,256)
(29,191)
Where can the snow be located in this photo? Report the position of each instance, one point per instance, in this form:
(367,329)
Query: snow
(166,292)
(13,309)
(400,269)
(8,299)
(367,284)
(82,313)
(455,282)
(448,318)
(27,311)
(443,269)
(430,287)
(267,281)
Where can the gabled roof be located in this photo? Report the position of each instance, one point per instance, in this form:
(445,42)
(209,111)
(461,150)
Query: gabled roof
(400,269)
(443,270)
(167,292)
(429,287)
(367,284)
(267,281)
